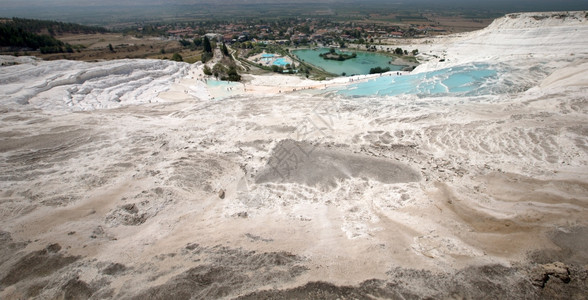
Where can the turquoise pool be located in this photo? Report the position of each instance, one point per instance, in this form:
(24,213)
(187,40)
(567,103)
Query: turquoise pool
(221,83)
(360,65)
(463,80)
(282,62)
(222,89)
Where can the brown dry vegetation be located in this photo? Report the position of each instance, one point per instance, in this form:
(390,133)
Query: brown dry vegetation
(95,47)
(460,24)
(452,24)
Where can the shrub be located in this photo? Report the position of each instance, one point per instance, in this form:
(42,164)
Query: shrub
(185,43)
(232,75)
(177,57)
(207,70)
(206,57)
(378,70)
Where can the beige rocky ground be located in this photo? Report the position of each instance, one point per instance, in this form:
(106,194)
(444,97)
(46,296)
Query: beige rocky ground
(114,186)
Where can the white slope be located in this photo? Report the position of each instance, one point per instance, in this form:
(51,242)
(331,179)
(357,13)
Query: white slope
(576,75)
(519,39)
(78,85)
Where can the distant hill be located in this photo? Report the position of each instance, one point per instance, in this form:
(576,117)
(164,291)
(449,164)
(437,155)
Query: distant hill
(52,27)
(38,34)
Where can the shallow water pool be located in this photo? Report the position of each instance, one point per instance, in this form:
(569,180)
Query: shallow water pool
(221,83)
(220,89)
(461,80)
(282,62)
(360,65)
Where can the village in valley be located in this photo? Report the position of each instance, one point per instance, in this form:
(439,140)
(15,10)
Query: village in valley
(264,44)
(259,44)
(294,32)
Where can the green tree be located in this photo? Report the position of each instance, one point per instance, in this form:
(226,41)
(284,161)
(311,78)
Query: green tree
(225,50)
(218,69)
(232,74)
(110,48)
(206,44)
(398,51)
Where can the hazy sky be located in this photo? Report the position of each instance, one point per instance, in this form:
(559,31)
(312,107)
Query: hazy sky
(24,3)
(105,11)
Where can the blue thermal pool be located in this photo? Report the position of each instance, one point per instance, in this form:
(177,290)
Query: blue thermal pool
(220,89)
(221,83)
(462,80)
(360,65)
(282,62)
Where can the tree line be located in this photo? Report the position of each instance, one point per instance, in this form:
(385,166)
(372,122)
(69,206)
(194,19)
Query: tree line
(53,27)
(26,33)
(19,38)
